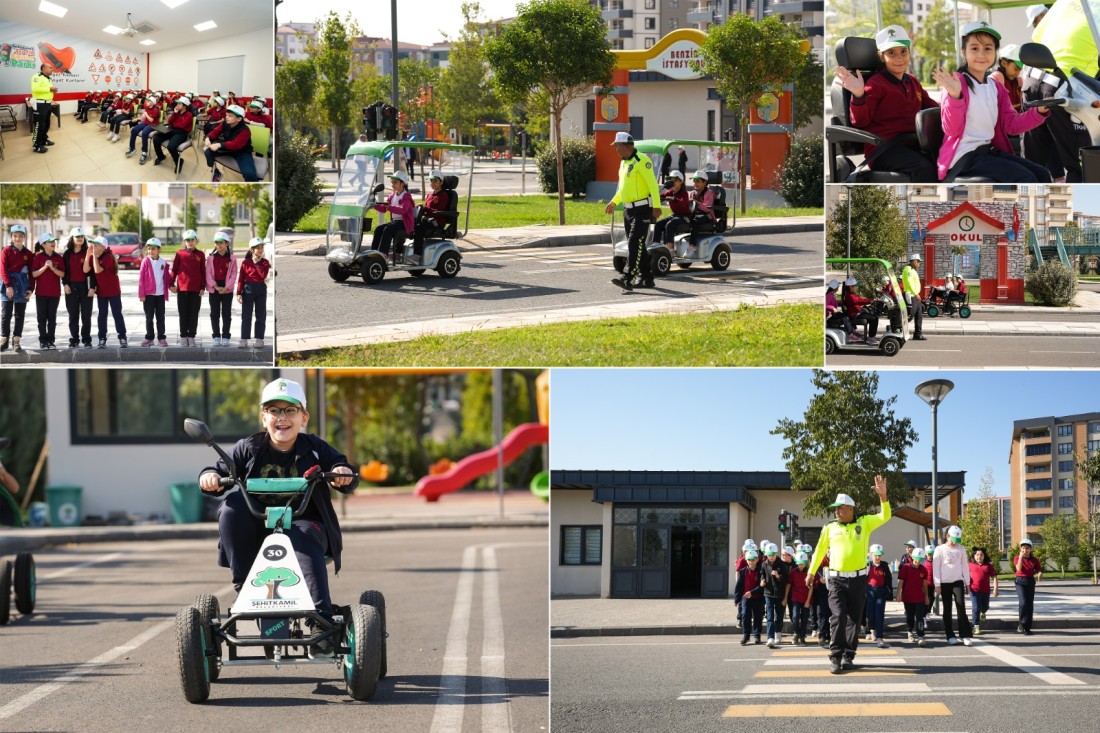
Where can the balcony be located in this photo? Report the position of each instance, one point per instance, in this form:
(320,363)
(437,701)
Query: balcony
(617,14)
(703,13)
(811,6)
(619,33)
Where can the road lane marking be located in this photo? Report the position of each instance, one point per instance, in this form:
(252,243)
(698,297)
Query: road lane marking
(873,690)
(496,711)
(825,653)
(73,568)
(821,660)
(863,687)
(862,672)
(45,690)
(452,681)
(1044,674)
(837,710)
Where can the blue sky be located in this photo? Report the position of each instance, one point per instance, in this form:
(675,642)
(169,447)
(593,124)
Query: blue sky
(719,419)
(1086,199)
(422,22)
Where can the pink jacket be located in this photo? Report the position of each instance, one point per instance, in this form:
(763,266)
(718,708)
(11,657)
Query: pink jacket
(1009,122)
(230,274)
(406,209)
(147,284)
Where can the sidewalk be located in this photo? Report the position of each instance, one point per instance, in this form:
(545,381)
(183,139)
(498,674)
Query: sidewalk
(543,235)
(1086,302)
(1057,605)
(375,511)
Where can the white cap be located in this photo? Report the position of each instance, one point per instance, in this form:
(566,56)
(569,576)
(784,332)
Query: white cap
(913,544)
(235,109)
(929,549)
(47,237)
(834,284)
(221,237)
(918,554)
(979,26)
(892,36)
(770,549)
(76,232)
(676,174)
(885,278)
(877,550)
(1026,541)
(801,557)
(851,282)
(152,242)
(99,241)
(435,174)
(749,545)
(286,390)
(1033,12)
(954,532)
(401,176)
(805,548)
(185,101)
(842,500)
(622,137)
(256,242)
(788,550)
(190,234)
(702,174)
(914,256)
(1011,52)
(752,554)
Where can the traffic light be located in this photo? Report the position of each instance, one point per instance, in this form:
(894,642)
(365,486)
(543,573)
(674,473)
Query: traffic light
(370,118)
(388,121)
(794,524)
(783,522)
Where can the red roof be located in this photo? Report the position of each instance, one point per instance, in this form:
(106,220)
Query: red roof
(967,208)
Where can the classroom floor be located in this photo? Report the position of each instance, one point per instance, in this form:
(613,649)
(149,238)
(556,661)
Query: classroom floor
(82,154)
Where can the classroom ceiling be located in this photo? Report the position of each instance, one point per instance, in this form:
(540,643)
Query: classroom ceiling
(176,27)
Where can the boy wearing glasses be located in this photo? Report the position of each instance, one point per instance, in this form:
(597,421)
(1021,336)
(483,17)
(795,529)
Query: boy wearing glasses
(282,450)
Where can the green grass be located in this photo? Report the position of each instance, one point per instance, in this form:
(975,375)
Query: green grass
(1089,278)
(499,212)
(787,335)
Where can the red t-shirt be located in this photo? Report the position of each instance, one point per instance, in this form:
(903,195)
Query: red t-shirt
(799,591)
(1028,568)
(912,579)
(189,270)
(252,272)
(48,284)
(876,575)
(981,576)
(74,261)
(107,285)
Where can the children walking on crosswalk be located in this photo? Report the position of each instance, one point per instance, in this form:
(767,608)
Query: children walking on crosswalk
(749,597)
(913,589)
(800,597)
(982,576)
(880,588)
(776,591)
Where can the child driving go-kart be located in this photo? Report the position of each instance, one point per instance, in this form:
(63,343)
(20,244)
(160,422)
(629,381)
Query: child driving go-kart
(282,450)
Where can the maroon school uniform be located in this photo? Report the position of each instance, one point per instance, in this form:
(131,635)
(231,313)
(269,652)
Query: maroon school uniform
(189,270)
(48,284)
(1028,568)
(913,578)
(252,272)
(876,574)
(752,581)
(74,266)
(799,591)
(220,265)
(981,576)
(107,285)
(13,260)
(889,106)
(677,201)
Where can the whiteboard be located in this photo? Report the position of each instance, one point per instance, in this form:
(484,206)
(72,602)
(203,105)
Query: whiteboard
(225,74)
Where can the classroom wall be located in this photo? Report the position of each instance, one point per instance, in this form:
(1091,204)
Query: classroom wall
(177,69)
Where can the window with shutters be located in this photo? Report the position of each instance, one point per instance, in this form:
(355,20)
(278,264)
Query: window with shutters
(581,545)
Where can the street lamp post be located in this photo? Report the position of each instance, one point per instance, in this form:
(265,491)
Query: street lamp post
(933,393)
(848,266)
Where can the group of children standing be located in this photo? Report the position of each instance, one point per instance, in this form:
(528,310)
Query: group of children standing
(88,269)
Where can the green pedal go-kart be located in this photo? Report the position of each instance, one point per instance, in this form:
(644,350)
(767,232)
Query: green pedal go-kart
(18,582)
(276,601)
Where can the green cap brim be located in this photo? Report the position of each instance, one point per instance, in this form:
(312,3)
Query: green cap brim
(895,44)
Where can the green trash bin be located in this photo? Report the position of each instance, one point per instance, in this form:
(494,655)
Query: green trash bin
(187,503)
(65,504)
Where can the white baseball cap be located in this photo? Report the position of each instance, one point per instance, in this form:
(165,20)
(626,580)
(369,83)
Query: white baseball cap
(806,548)
(285,390)
(701,175)
(190,234)
(752,555)
(788,550)
(918,554)
(1026,541)
(152,242)
(954,532)
(18,228)
(877,550)
(914,256)
(834,284)
(235,109)
(622,137)
(749,545)
(1033,12)
(401,176)
(76,232)
(801,558)
(979,26)
(1011,52)
(435,174)
(892,36)
(256,242)
(770,549)
(676,174)
(929,549)
(851,282)
(913,544)
(843,500)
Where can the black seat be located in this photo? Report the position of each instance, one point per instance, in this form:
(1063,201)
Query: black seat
(721,210)
(930,138)
(854,54)
(432,229)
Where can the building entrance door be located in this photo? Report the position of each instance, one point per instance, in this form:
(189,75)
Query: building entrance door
(687,562)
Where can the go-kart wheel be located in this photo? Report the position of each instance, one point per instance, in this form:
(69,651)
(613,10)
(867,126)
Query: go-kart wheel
(210,612)
(661,264)
(191,655)
(373,269)
(890,346)
(720,260)
(25,583)
(964,311)
(830,346)
(933,311)
(619,263)
(449,265)
(5,591)
(377,601)
(363,637)
(337,273)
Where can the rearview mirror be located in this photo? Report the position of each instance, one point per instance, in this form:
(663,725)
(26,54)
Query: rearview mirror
(1038,56)
(379,188)
(198,430)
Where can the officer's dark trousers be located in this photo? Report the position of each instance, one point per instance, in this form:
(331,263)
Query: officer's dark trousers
(242,534)
(41,123)
(637,221)
(955,593)
(847,597)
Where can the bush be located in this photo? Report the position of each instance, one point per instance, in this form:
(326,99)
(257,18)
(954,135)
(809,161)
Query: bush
(296,181)
(579,162)
(1052,284)
(802,178)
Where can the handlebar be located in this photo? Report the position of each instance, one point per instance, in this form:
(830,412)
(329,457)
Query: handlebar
(1053,102)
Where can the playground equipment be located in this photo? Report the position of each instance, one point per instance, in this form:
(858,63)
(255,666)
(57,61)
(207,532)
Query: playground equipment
(479,464)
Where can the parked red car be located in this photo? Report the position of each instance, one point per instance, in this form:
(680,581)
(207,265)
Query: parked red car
(127,248)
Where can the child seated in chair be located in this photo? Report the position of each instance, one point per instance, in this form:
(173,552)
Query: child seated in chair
(432,220)
(402,217)
(702,217)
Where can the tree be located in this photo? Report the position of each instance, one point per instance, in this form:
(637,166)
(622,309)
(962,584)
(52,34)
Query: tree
(189,217)
(228,213)
(807,94)
(893,13)
(296,181)
(296,89)
(935,45)
(128,218)
(233,194)
(34,201)
(1089,471)
(747,58)
(979,522)
(265,212)
(847,436)
(1061,536)
(879,229)
(559,47)
(332,59)
(273,578)
(465,95)
(23,419)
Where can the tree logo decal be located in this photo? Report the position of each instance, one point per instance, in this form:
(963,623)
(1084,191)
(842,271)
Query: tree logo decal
(275,577)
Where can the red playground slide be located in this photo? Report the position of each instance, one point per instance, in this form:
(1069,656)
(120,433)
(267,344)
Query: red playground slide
(479,464)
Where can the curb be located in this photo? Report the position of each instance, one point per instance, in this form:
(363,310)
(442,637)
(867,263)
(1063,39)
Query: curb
(565,632)
(11,545)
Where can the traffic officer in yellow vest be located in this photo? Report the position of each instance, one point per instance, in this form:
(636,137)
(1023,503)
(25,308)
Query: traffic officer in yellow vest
(847,540)
(641,199)
(911,287)
(42,89)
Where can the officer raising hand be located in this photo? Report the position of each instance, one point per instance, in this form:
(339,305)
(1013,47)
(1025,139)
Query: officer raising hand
(640,197)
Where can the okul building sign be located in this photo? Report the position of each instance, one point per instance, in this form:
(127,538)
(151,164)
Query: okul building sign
(679,61)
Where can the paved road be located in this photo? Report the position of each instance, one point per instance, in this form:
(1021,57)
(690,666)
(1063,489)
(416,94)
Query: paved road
(1041,315)
(1053,352)
(533,280)
(1005,682)
(99,654)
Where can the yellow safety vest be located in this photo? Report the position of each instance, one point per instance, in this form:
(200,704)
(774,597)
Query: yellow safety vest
(910,280)
(40,88)
(1065,31)
(637,181)
(848,544)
